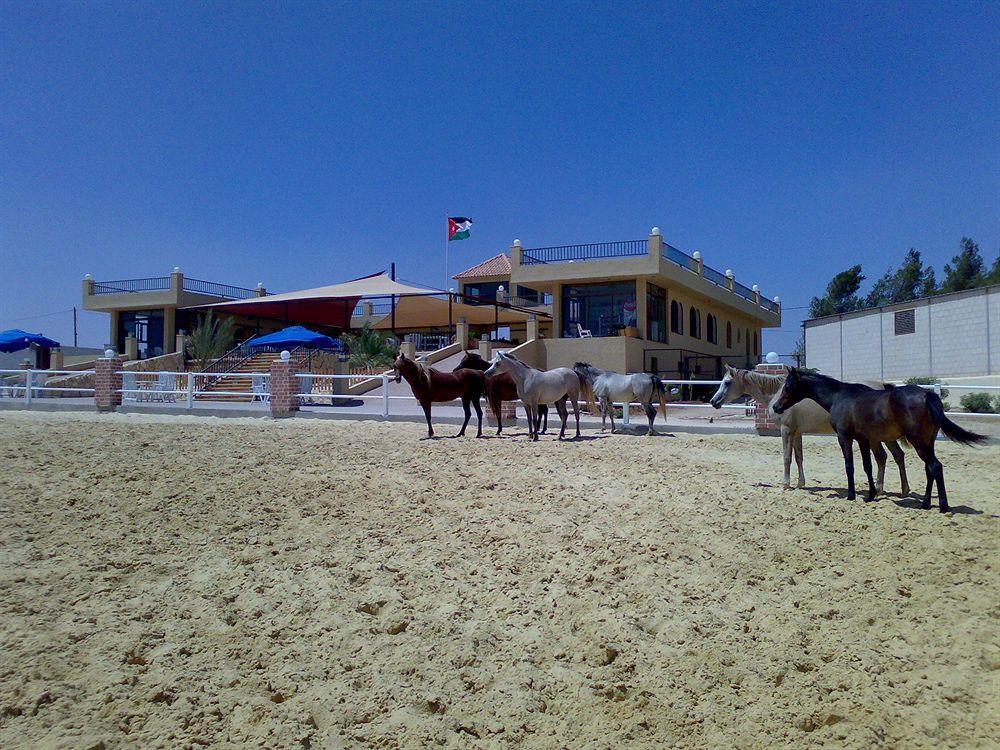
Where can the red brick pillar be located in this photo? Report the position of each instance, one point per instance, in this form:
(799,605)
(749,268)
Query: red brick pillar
(284,388)
(108,383)
(764,424)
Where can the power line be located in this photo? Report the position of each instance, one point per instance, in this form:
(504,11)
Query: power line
(44,315)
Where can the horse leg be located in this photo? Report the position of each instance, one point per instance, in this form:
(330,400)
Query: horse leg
(427,413)
(468,415)
(651,415)
(935,472)
(880,456)
(543,413)
(866,462)
(479,414)
(900,459)
(563,414)
(786,450)
(610,406)
(576,413)
(797,445)
(496,406)
(532,410)
(604,418)
(847,448)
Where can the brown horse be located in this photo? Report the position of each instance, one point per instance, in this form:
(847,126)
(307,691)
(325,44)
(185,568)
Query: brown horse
(499,388)
(873,417)
(430,385)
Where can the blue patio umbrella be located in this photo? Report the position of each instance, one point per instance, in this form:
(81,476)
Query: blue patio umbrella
(15,340)
(296,336)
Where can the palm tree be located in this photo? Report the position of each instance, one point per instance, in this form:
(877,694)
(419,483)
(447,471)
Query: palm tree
(210,339)
(369,349)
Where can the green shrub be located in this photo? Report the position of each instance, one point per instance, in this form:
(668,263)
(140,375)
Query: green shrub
(978,402)
(996,403)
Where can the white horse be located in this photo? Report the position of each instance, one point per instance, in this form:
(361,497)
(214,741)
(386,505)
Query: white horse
(611,387)
(536,387)
(805,418)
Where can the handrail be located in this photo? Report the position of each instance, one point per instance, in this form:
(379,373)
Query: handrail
(216,289)
(591,251)
(127,286)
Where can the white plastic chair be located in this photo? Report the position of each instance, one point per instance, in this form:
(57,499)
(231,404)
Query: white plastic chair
(584,332)
(305,388)
(166,384)
(261,388)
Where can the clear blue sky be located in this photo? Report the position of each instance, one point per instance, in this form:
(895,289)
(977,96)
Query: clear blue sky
(316,142)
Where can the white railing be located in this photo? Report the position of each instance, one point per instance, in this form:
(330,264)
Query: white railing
(156,386)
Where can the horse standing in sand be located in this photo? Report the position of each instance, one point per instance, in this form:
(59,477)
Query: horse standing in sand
(499,388)
(870,417)
(430,386)
(805,418)
(536,387)
(610,387)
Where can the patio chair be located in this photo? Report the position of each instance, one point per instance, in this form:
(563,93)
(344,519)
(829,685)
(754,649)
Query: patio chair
(584,332)
(261,388)
(166,384)
(129,383)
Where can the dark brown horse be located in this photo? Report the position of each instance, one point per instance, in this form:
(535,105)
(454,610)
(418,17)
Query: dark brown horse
(499,388)
(430,385)
(872,417)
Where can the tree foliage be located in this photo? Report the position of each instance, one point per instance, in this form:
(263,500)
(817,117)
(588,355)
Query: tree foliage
(841,294)
(965,271)
(210,339)
(369,349)
(911,280)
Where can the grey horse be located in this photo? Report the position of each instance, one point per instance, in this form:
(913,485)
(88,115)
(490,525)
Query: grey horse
(536,387)
(610,387)
(805,418)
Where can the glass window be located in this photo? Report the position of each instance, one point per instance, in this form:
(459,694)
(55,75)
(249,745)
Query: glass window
(729,335)
(712,330)
(676,317)
(147,327)
(485,291)
(656,313)
(694,323)
(602,309)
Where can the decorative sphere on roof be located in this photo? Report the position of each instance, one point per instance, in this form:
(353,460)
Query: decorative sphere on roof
(655,231)
(696,255)
(260,284)
(777,300)
(500,288)
(517,243)
(177,269)
(109,353)
(87,277)
(772,358)
(286,355)
(756,287)
(730,274)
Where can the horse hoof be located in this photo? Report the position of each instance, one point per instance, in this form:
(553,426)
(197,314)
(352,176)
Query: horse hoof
(800,486)
(925,506)
(944,509)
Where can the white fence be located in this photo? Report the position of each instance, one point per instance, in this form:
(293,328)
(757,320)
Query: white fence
(184,388)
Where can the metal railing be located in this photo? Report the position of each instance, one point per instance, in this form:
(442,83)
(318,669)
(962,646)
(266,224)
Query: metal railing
(718,278)
(29,384)
(126,286)
(214,289)
(592,251)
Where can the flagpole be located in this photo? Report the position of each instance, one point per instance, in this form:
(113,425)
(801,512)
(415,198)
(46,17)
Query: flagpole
(447,239)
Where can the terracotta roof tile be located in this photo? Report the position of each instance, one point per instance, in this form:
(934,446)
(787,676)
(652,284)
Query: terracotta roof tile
(498,265)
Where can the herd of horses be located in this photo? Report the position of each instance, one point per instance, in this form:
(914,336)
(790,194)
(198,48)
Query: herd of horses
(876,417)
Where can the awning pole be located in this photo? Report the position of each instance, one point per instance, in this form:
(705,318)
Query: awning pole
(451,324)
(392,303)
(496,322)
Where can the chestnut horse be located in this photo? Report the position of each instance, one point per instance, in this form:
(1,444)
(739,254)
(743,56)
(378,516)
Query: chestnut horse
(430,385)
(500,387)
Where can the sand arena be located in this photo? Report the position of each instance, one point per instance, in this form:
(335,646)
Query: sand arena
(184,582)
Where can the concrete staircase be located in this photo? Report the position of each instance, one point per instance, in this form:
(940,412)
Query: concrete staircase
(241,377)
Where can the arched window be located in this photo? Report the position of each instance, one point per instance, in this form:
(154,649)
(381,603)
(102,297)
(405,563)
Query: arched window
(676,317)
(746,342)
(712,330)
(756,351)
(729,334)
(694,323)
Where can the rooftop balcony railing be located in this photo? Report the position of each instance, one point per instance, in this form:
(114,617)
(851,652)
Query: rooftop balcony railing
(162,283)
(632,248)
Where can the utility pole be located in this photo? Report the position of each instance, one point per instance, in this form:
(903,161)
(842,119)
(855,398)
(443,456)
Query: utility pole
(74,327)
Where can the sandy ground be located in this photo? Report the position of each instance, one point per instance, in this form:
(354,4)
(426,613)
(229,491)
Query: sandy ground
(186,582)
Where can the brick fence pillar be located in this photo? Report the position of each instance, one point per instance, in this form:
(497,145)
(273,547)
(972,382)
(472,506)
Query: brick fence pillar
(108,383)
(284,388)
(763,421)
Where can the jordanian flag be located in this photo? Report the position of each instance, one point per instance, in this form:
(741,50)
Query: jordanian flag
(458,228)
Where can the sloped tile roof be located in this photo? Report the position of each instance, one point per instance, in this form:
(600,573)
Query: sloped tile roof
(498,265)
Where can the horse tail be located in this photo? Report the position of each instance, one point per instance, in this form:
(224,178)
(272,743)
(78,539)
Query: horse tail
(660,391)
(493,397)
(949,428)
(587,390)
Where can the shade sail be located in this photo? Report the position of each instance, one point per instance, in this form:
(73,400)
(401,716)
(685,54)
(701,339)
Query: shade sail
(330,305)
(296,336)
(14,340)
(432,312)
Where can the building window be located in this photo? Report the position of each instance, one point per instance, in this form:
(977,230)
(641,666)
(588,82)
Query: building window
(694,323)
(756,351)
(905,322)
(676,317)
(656,313)
(729,334)
(602,309)
(746,343)
(485,291)
(712,330)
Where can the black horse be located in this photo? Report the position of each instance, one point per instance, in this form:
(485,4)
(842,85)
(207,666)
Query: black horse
(872,417)
(499,388)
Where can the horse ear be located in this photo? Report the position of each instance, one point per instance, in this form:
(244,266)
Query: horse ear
(729,367)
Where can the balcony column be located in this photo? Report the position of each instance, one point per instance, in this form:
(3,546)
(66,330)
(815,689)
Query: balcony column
(557,328)
(532,331)
(116,318)
(699,264)
(655,243)
(641,313)
(515,255)
(756,294)
(169,330)
(730,280)
(176,281)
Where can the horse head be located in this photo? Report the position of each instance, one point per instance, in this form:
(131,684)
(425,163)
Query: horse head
(398,365)
(730,388)
(473,361)
(794,390)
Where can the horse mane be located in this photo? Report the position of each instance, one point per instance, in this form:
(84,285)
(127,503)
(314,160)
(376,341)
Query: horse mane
(423,371)
(769,384)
